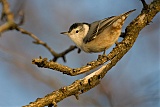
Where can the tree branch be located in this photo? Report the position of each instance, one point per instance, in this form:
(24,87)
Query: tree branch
(6,13)
(10,25)
(42,62)
(40,42)
(93,79)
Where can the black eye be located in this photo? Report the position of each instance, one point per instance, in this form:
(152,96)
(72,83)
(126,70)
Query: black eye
(77,31)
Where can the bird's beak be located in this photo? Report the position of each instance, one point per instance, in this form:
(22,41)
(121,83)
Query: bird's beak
(64,33)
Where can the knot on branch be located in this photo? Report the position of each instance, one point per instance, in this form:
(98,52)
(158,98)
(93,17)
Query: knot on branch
(40,62)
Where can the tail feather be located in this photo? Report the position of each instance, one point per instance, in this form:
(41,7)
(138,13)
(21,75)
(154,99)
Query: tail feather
(127,13)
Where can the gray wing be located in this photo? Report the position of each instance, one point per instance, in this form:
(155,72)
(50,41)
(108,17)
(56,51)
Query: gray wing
(97,27)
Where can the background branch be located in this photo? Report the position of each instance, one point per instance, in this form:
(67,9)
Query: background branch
(6,13)
(40,42)
(10,25)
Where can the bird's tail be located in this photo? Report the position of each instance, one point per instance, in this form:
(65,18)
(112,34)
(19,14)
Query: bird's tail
(127,13)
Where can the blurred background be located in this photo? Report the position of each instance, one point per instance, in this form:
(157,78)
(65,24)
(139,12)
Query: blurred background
(133,82)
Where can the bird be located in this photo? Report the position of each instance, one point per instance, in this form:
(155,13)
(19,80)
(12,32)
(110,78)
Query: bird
(97,36)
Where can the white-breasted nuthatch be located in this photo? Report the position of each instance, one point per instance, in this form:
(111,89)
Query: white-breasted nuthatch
(99,35)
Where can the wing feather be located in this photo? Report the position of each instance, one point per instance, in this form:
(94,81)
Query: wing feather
(98,26)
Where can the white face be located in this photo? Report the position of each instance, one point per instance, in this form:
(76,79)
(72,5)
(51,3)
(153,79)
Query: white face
(78,33)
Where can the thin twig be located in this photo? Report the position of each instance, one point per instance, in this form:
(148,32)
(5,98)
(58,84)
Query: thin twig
(62,54)
(40,42)
(145,5)
(37,40)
